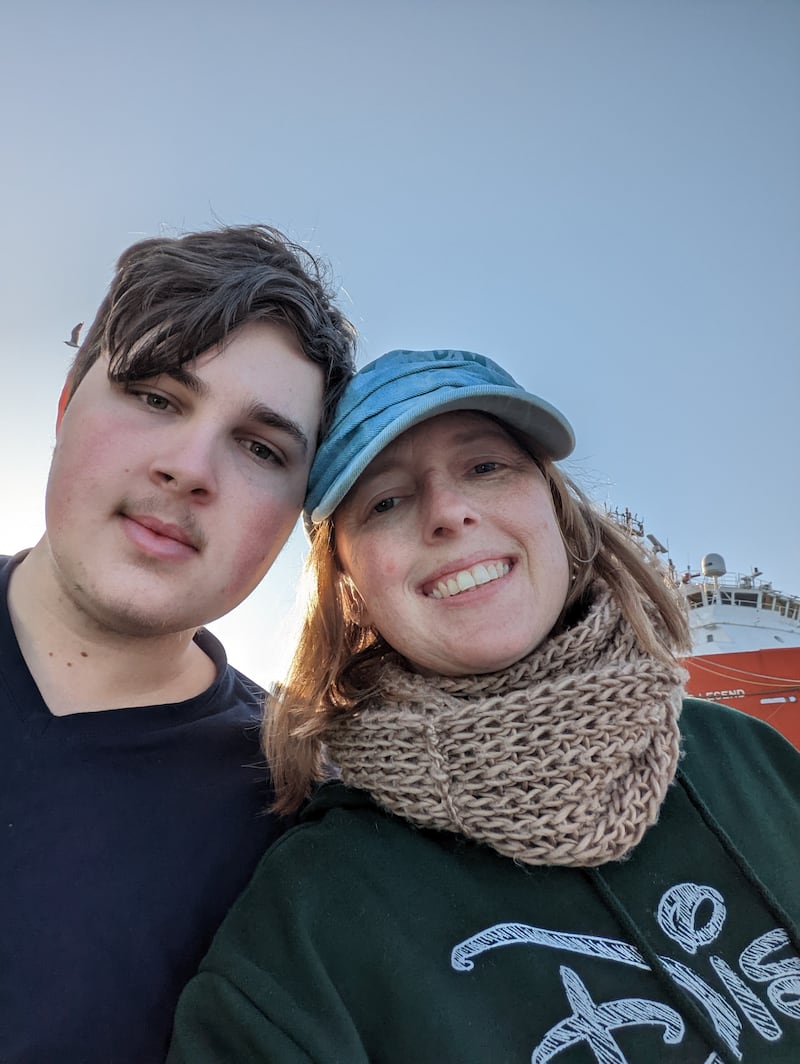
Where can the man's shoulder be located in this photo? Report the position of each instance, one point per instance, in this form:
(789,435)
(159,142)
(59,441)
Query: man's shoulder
(248,685)
(245,691)
(232,691)
(7,563)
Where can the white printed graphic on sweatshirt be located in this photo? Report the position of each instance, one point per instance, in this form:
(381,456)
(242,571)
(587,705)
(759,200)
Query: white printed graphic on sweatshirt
(692,916)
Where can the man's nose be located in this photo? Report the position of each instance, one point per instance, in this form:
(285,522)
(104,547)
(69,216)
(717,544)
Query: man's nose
(186,462)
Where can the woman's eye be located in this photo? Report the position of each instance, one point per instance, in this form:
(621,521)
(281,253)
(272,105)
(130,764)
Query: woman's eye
(384,505)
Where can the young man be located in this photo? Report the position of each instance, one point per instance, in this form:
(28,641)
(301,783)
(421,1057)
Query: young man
(131,788)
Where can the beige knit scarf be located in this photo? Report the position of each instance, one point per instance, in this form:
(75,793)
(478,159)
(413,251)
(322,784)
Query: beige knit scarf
(564,758)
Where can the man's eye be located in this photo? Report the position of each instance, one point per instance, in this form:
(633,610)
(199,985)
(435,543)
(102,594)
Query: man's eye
(152,400)
(486,467)
(263,452)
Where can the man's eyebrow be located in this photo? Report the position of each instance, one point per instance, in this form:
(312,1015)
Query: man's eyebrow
(271,419)
(190,380)
(261,413)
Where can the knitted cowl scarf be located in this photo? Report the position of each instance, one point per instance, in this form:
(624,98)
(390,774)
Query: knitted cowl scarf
(564,758)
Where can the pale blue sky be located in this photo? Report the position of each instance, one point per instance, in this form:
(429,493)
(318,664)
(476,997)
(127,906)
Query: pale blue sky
(603,196)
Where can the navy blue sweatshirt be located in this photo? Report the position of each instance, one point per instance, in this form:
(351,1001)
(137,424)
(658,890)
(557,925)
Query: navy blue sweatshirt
(126,836)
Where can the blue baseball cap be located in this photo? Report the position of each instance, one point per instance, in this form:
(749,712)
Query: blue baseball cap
(403,388)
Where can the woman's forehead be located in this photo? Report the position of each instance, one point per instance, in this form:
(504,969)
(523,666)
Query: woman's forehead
(456,427)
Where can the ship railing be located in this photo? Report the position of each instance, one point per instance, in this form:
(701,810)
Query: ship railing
(740,590)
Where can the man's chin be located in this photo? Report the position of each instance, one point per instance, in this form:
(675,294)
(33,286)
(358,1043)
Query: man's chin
(138,619)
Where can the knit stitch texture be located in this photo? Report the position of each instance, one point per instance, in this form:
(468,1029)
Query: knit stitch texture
(564,758)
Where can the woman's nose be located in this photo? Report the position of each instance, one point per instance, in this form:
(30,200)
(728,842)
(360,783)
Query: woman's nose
(448,510)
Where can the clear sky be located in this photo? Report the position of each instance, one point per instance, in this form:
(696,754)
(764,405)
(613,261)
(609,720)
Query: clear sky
(602,196)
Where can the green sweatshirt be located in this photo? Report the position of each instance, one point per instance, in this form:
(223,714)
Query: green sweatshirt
(362,939)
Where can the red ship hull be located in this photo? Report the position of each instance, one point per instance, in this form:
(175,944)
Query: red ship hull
(763,683)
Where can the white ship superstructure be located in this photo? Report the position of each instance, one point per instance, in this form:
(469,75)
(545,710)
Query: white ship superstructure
(745,637)
(733,612)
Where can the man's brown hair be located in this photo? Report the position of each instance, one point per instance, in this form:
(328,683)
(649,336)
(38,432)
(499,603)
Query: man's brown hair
(172,298)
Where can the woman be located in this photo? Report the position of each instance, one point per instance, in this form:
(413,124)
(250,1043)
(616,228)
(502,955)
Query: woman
(536,848)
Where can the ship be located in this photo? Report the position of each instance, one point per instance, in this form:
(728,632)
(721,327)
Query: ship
(745,636)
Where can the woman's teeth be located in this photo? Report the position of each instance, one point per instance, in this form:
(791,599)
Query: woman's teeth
(469,578)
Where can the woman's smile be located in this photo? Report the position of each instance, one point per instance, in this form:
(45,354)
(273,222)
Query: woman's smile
(468,579)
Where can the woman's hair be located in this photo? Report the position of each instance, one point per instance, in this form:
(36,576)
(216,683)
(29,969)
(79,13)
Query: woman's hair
(337,661)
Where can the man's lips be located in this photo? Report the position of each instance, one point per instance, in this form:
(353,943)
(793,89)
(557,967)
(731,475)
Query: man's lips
(161,528)
(159,539)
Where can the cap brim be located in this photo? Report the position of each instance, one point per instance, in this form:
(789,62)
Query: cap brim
(538,425)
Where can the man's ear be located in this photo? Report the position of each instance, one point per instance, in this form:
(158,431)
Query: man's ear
(63,399)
